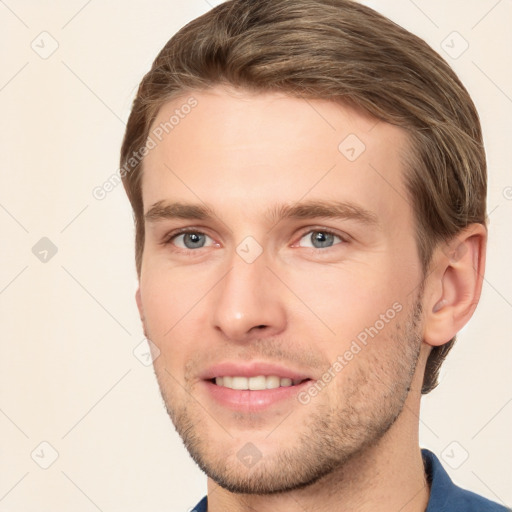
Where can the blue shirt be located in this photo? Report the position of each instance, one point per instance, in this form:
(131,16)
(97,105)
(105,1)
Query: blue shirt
(445,496)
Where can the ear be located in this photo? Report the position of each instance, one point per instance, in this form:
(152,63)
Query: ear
(138,300)
(454,284)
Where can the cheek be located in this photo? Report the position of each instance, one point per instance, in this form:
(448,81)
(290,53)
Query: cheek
(170,304)
(347,300)
(168,293)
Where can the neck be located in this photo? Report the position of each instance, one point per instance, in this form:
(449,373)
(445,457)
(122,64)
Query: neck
(386,476)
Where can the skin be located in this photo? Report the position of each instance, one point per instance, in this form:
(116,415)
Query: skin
(354,446)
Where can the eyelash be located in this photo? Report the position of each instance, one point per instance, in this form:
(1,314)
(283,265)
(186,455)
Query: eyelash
(174,234)
(168,239)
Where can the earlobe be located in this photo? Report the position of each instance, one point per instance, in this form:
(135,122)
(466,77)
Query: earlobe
(138,300)
(456,283)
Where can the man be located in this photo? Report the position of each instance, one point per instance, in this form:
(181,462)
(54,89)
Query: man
(308,183)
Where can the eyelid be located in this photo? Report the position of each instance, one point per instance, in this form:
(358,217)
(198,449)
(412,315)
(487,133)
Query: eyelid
(345,238)
(171,235)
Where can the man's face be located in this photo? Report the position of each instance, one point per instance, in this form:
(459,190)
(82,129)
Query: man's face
(267,288)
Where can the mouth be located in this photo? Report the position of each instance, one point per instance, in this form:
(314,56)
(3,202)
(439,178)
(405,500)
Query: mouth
(257,383)
(253,387)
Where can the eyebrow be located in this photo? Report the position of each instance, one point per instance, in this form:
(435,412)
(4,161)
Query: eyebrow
(163,210)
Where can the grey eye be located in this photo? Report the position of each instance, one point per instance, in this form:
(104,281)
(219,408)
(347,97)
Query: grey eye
(319,239)
(191,240)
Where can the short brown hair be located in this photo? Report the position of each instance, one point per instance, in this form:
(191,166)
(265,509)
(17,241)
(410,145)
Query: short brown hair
(341,51)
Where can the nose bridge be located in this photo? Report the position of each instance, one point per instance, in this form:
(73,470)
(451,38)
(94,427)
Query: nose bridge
(248,297)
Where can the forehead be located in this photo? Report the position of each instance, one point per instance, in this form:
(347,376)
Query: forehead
(233,148)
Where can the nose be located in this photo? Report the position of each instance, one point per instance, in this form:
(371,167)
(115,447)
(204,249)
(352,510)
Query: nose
(248,302)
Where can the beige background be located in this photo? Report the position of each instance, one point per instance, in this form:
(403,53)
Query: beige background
(69,326)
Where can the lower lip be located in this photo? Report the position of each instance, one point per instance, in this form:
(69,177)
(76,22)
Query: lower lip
(252,401)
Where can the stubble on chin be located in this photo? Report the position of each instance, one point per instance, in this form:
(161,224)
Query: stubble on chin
(339,426)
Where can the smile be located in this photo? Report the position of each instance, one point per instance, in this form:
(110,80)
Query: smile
(257,383)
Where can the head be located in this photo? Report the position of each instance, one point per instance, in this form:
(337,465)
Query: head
(254,106)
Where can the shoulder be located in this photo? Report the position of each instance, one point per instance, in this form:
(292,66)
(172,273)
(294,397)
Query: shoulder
(445,496)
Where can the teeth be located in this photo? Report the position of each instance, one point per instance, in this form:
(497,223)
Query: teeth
(240,383)
(258,383)
(272,382)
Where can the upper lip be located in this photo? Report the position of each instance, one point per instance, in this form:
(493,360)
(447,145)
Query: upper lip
(253,369)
